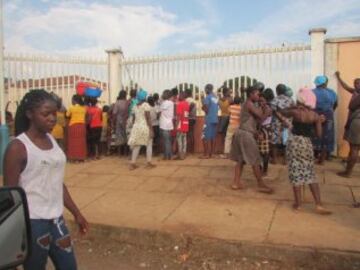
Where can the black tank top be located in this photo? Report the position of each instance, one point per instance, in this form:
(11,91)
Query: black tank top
(303,129)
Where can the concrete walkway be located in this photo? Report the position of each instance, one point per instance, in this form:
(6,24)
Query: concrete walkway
(193,197)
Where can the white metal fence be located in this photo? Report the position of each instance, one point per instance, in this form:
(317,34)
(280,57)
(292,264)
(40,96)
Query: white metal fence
(289,64)
(57,74)
(234,68)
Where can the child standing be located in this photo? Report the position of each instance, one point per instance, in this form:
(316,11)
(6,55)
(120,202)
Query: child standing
(182,125)
(264,134)
(104,149)
(192,120)
(234,123)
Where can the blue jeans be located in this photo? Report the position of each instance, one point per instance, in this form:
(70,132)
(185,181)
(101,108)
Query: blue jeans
(50,238)
(166,134)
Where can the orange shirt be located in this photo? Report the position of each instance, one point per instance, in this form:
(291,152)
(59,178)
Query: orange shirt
(95,114)
(235,115)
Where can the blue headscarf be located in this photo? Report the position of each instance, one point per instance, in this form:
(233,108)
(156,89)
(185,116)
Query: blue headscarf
(141,95)
(320,80)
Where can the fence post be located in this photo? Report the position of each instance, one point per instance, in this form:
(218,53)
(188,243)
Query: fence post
(317,37)
(115,57)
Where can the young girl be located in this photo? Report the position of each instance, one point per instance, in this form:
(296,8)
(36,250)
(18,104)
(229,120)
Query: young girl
(299,149)
(182,125)
(234,123)
(29,162)
(141,132)
(244,148)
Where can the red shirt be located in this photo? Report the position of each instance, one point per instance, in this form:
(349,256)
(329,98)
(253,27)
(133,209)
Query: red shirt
(95,114)
(182,113)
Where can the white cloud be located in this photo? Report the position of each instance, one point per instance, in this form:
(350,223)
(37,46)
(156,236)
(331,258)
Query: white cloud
(137,29)
(292,22)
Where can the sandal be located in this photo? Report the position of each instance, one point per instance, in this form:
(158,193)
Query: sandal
(133,167)
(150,166)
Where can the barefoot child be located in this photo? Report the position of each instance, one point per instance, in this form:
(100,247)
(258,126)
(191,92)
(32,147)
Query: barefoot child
(182,125)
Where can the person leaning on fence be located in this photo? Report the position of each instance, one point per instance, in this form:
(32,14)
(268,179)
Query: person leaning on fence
(299,149)
(76,139)
(35,162)
(326,103)
(192,120)
(211,108)
(141,133)
(352,127)
(244,148)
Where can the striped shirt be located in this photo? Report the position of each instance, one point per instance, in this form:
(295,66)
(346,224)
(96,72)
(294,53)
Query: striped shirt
(235,115)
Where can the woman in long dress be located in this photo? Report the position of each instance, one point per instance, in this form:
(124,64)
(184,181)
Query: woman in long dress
(141,132)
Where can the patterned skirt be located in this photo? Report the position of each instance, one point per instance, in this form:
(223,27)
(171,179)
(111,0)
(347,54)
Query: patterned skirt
(300,160)
(77,149)
(264,139)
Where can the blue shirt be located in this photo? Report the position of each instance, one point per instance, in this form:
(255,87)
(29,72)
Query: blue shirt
(212,103)
(325,99)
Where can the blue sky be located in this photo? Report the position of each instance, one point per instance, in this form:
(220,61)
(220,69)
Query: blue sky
(143,27)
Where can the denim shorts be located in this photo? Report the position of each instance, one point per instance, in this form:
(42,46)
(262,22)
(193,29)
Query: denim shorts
(50,238)
(209,131)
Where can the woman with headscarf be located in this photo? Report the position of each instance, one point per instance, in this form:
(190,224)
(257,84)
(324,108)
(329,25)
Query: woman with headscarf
(326,103)
(141,132)
(299,150)
(352,127)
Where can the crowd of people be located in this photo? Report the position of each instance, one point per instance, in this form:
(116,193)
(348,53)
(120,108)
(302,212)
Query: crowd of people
(255,131)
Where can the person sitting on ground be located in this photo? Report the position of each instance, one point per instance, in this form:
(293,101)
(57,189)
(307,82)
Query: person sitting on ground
(35,162)
(352,127)
(141,132)
(299,150)
(234,124)
(244,148)
(192,120)
(182,124)
(326,103)
(211,108)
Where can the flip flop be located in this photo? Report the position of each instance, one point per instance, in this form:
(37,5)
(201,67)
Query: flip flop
(343,174)
(265,190)
(133,167)
(234,187)
(322,211)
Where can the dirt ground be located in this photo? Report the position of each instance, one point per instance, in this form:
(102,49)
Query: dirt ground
(96,253)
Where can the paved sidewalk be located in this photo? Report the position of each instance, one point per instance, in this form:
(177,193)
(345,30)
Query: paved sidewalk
(193,196)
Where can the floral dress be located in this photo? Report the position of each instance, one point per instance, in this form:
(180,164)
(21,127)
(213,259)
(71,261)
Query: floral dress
(140,133)
(280,102)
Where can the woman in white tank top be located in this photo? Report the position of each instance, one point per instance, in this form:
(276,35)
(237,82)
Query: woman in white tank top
(35,162)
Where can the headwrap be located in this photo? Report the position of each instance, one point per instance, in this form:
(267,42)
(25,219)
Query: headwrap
(307,97)
(320,80)
(289,92)
(141,95)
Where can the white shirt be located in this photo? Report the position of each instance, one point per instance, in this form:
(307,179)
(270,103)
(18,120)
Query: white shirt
(167,115)
(43,178)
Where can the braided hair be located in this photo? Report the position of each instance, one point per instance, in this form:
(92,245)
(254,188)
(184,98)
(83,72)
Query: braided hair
(32,99)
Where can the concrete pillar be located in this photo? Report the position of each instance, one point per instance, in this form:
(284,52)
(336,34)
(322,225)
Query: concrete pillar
(115,59)
(317,36)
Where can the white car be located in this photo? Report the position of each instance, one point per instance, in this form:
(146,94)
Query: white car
(15,230)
